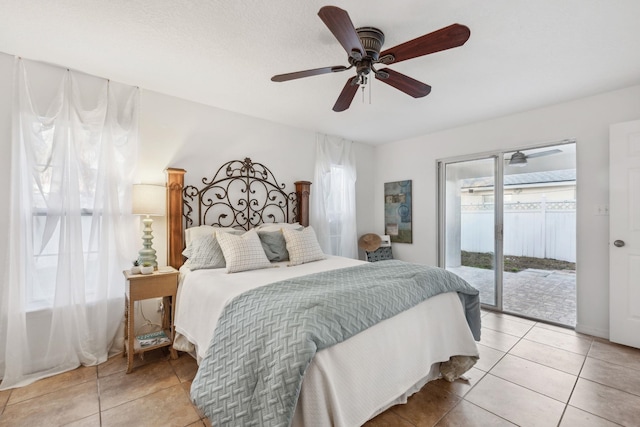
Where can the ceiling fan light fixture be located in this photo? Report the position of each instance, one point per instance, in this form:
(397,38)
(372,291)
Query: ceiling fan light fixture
(363,46)
(518,159)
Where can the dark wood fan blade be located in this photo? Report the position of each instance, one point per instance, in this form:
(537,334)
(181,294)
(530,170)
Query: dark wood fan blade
(445,38)
(338,21)
(346,96)
(307,73)
(404,83)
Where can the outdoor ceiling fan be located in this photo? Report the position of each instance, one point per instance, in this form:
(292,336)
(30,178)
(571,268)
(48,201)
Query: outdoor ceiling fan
(363,49)
(520,159)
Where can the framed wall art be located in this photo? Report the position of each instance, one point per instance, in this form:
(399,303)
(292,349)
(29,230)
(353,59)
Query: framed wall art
(397,211)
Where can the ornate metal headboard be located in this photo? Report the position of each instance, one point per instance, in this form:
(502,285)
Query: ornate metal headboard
(241,194)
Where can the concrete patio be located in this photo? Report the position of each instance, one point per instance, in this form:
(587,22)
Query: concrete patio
(539,294)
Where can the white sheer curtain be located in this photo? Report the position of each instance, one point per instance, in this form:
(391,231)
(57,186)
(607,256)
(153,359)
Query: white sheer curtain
(74,152)
(333,196)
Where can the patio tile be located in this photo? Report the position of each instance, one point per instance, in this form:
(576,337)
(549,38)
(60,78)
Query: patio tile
(540,294)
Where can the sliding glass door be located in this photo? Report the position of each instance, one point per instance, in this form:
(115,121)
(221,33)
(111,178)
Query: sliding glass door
(508,227)
(469,243)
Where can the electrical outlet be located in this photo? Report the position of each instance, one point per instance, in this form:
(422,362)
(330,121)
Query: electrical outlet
(160,307)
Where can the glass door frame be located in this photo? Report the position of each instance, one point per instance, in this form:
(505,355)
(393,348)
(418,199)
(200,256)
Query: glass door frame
(499,165)
(498,192)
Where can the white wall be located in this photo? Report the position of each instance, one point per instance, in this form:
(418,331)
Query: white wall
(587,120)
(197,138)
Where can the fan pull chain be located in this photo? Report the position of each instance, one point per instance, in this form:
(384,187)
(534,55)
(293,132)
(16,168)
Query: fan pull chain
(363,84)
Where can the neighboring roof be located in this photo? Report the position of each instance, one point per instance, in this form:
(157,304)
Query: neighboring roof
(564,175)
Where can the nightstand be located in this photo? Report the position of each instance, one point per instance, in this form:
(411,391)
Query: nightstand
(162,283)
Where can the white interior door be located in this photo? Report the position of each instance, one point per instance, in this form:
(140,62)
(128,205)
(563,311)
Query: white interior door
(624,233)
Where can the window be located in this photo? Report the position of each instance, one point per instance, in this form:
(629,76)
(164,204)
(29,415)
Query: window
(71,227)
(336,206)
(333,206)
(52,207)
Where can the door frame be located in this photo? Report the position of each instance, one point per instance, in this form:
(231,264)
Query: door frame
(498,155)
(623,160)
(498,259)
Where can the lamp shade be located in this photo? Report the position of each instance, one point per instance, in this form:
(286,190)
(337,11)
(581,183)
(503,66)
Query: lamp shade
(149,199)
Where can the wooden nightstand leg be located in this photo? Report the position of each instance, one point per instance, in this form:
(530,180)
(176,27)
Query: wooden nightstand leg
(172,352)
(126,326)
(131,336)
(167,322)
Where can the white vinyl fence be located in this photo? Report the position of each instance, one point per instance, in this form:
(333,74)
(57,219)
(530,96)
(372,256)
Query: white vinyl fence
(539,229)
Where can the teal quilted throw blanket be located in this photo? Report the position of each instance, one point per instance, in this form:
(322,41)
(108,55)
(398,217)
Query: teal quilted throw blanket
(265,338)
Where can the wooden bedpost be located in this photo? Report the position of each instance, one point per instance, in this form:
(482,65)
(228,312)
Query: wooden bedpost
(175,232)
(303,189)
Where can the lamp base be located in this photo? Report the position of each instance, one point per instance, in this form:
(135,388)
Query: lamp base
(147,255)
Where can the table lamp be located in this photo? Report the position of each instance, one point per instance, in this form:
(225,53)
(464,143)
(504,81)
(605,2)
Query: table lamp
(148,200)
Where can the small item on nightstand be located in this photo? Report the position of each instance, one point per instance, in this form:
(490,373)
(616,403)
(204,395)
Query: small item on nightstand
(136,267)
(147,268)
(153,338)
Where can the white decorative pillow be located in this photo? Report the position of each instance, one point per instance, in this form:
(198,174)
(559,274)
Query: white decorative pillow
(302,246)
(277,226)
(242,253)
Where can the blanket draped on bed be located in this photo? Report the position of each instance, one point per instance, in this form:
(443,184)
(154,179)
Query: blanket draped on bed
(265,338)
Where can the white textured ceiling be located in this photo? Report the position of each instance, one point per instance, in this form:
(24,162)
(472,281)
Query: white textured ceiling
(521,55)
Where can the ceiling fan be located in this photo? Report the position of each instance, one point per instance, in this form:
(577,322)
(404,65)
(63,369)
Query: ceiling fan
(520,159)
(363,49)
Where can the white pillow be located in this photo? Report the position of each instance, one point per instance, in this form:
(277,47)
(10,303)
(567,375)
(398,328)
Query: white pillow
(277,226)
(242,253)
(192,233)
(302,246)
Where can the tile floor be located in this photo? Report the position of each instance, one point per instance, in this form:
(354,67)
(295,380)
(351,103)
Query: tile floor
(529,374)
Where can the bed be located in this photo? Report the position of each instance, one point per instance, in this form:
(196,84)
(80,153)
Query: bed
(343,383)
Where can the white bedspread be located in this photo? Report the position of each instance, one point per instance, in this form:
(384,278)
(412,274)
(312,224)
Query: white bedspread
(349,383)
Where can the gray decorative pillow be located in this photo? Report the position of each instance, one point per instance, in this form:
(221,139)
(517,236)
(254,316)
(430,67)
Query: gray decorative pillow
(274,245)
(204,252)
